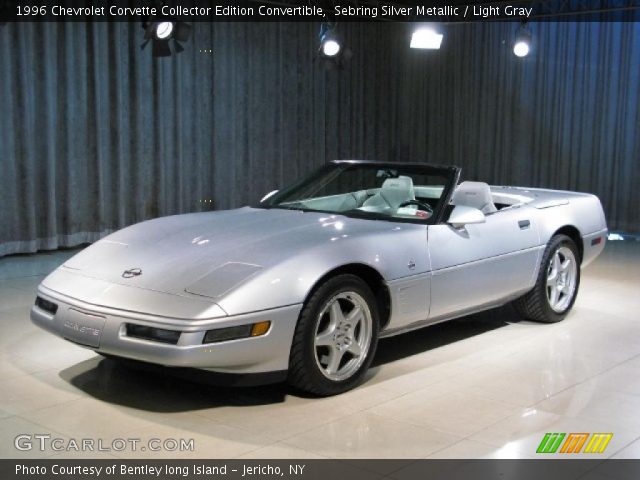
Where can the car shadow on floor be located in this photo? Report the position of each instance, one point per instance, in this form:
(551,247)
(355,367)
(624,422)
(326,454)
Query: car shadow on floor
(163,389)
(441,334)
(160,389)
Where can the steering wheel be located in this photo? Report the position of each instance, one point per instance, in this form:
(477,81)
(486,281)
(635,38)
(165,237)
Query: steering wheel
(422,205)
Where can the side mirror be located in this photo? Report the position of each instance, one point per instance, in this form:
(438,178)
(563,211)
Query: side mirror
(268,195)
(461,216)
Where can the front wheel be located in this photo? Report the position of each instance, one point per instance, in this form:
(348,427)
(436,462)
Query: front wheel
(557,284)
(336,337)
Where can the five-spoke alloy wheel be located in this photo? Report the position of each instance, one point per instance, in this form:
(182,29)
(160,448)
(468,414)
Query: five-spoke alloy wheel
(336,337)
(561,279)
(557,284)
(343,335)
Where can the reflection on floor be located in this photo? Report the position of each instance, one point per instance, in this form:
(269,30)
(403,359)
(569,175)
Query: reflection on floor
(488,385)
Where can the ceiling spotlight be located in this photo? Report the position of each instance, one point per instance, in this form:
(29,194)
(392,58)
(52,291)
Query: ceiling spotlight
(330,47)
(164,35)
(522,45)
(329,41)
(521,49)
(332,52)
(426,38)
(163,30)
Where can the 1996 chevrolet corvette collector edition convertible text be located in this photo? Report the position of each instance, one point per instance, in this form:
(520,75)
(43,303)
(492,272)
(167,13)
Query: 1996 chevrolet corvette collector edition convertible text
(305,282)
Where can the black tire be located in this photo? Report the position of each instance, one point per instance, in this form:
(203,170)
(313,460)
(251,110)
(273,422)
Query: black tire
(536,305)
(305,370)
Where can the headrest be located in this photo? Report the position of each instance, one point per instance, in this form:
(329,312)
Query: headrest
(476,195)
(401,183)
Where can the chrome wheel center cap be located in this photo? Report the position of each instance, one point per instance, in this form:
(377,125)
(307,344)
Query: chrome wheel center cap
(563,279)
(341,339)
(343,342)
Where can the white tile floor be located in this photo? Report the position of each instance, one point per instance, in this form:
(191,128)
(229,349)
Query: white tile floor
(487,385)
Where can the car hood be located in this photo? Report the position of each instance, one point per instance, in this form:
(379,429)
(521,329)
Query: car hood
(207,254)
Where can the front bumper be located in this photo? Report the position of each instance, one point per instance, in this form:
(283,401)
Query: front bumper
(104,330)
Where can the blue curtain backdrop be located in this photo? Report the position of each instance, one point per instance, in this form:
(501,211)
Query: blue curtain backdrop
(96,134)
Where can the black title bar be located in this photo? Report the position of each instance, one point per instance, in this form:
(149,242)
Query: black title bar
(549,469)
(317,10)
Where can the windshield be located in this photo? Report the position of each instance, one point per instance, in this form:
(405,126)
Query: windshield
(410,192)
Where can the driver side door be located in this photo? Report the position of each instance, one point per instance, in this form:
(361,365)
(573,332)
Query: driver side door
(479,265)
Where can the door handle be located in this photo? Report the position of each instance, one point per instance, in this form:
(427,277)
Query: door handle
(524,224)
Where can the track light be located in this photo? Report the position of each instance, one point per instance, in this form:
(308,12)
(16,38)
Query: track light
(329,42)
(426,38)
(164,34)
(332,52)
(163,30)
(522,45)
(330,47)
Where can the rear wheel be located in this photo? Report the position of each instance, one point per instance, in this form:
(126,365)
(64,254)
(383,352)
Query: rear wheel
(557,284)
(336,337)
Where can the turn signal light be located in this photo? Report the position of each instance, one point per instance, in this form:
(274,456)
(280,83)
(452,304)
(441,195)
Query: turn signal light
(236,333)
(260,328)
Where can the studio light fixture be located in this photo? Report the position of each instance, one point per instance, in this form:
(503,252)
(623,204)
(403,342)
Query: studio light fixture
(426,38)
(163,30)
(522,45)
(165,34)
(330,45)
(330,48)
(332,52)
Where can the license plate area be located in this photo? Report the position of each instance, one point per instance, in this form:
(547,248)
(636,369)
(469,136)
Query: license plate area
(83,328)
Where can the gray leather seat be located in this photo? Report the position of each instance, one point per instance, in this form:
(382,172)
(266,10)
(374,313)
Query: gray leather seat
(476,195)
(392,194)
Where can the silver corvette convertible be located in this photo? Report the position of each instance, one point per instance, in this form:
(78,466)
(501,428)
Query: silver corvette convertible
(304,283)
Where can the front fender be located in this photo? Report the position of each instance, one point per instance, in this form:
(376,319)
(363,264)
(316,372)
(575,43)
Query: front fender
(396,252)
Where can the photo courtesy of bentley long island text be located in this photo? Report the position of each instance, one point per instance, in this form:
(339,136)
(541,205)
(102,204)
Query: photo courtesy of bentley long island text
(320,239)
